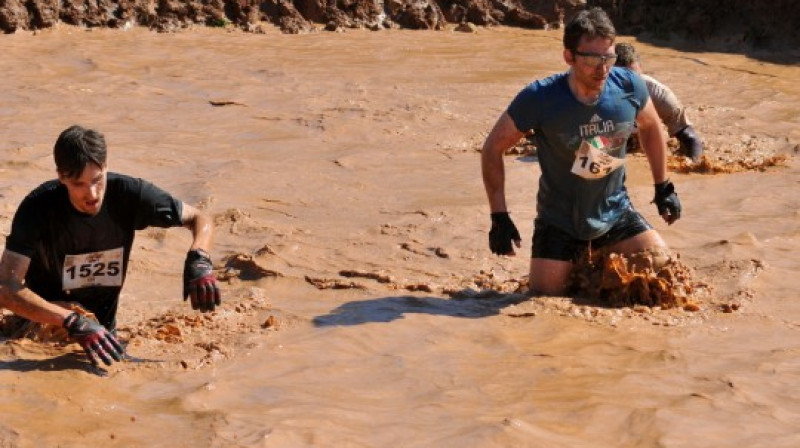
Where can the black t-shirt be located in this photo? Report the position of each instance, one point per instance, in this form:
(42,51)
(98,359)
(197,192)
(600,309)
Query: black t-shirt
(82,258)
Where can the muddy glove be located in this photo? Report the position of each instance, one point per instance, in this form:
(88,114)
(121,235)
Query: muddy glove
(502,233)
(199,282)
(96,341)
(669,206)
(690,142)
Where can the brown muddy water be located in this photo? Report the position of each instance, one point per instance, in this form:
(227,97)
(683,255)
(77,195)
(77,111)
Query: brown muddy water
(358,151)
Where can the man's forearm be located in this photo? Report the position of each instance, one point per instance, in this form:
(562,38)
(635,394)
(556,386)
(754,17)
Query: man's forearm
(494,181)
(503,135)
(24,302)
(655,149)
(202,232)
(652,140)
(201,225)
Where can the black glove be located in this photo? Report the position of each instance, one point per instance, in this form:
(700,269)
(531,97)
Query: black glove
(199,281)
(691,142)
(669,206)
(96,341)
(502,232)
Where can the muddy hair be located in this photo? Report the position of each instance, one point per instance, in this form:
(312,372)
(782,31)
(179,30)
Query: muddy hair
(626,55)
(591,23)
(77,147)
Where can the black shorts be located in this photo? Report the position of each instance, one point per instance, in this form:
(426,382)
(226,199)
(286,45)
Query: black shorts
(555,244)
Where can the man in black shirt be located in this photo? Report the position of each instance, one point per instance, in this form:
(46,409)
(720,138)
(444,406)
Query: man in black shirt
(71,239)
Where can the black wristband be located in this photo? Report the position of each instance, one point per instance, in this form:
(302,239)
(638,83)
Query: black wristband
(197,254)
(70,320)
(664,189)
(500,216)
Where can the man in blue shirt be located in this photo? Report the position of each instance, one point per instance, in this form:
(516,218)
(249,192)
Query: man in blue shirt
(581,120)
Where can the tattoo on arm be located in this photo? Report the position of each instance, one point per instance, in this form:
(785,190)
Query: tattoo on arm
(13,268)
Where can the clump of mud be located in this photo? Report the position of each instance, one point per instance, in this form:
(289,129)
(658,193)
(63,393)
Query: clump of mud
(720,156)
(747,153)
(526,147)
(652,278)
(176,338)
(708,165)
(186,338)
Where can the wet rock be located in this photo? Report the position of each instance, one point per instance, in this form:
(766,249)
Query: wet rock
(416,14)
(467,28)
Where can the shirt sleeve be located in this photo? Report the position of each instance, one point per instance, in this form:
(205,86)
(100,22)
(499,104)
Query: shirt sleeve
(667,105)
(25,228)
(157,208)
(522,109)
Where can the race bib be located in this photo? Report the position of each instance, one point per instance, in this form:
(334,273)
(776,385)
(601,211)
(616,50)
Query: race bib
(591,162)
(93,269)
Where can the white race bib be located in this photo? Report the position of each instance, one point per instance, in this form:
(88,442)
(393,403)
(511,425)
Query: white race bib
(591,162)
(93,269)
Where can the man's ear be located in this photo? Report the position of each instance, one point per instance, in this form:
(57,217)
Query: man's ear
(568,57)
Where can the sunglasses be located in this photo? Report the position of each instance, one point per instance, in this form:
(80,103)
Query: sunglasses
(596,60)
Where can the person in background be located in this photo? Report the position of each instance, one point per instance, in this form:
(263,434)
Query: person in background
(669,108)
(582,119)
(71,240)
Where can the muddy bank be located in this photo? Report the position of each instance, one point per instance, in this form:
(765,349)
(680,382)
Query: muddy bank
(298,16)
(738,25)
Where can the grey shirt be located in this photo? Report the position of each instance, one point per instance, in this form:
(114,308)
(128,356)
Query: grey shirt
(667,105)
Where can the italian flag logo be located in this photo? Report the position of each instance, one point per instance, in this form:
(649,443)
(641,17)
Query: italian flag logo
(598,142)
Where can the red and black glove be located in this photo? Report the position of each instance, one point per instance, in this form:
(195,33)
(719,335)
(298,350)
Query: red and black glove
(96,341)
(199,282)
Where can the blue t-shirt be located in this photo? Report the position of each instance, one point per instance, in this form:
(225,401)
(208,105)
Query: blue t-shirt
(585,205)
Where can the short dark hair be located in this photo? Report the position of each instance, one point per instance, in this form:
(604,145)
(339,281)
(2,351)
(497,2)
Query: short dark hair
(626,55)
(592,23)
(77,147)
